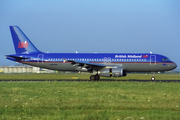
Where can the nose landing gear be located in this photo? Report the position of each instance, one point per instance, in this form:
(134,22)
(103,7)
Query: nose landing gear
(152,78)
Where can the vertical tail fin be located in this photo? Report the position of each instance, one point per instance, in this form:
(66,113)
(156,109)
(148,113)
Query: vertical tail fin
(21,42)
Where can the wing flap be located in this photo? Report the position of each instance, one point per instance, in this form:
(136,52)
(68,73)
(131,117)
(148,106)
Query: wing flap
(89,66)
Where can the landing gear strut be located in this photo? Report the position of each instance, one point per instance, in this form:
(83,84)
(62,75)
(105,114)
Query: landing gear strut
(152,78)
(94,77)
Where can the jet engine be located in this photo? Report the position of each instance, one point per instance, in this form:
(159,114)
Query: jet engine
(112,72)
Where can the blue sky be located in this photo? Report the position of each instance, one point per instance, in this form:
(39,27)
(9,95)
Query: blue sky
(103,26)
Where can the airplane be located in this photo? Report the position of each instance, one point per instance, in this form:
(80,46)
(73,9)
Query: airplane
(104,64)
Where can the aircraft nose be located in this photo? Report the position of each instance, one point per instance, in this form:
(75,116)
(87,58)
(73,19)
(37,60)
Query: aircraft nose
(174,65)
(171,66)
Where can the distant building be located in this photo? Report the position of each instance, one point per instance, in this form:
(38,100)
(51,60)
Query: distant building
(23,69)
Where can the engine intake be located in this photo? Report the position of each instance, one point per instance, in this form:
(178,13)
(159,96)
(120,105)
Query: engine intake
(112,72)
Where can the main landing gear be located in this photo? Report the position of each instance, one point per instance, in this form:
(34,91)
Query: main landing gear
(94,77)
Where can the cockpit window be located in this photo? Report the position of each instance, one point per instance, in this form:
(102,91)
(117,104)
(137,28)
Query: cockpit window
(165,59)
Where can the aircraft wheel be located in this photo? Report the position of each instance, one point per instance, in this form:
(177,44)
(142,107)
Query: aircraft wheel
(152,78)
(97,77)
(92,77)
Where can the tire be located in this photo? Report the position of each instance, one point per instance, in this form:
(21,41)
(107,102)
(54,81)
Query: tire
(152,78)
(97,77)
(92,77)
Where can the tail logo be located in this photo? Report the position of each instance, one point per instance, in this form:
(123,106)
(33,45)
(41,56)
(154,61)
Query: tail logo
(23,44)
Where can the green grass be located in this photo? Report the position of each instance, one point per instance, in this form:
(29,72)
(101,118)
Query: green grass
(89,100)
(69,76)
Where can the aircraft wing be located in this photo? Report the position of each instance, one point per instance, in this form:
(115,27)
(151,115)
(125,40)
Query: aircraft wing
(89,66)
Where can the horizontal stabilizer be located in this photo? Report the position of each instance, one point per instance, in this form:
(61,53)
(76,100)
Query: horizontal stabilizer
(16,57)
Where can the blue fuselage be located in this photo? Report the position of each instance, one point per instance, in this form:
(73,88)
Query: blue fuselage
(129,62)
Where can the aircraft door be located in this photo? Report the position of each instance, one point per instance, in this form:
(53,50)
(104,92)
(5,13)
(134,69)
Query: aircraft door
(40,59)
(152,59)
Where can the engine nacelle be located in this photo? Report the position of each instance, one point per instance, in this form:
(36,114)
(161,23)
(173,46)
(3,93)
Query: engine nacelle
(112,72)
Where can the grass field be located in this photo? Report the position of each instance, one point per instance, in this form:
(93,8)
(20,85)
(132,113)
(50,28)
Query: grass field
(88,100)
